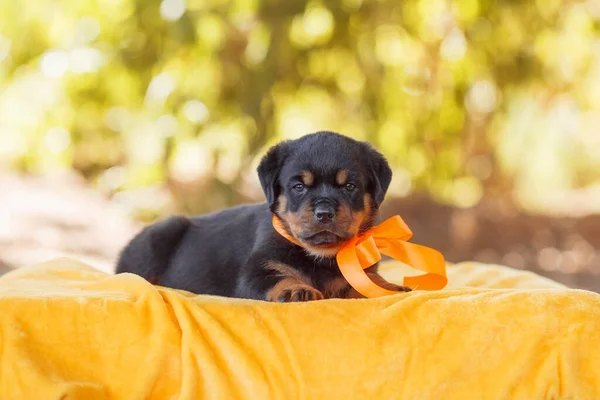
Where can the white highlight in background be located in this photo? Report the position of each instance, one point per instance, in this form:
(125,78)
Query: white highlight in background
(54,63)
(172,10)
(195,111)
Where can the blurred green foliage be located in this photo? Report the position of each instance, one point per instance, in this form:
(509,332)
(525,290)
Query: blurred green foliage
(466,98)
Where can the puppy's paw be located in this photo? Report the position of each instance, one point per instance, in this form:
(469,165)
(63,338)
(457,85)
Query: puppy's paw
(300,294)
(287,291)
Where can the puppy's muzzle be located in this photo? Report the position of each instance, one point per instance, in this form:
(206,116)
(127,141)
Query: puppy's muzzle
(324,213)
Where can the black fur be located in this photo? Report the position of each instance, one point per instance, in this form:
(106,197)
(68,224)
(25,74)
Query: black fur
(231,252)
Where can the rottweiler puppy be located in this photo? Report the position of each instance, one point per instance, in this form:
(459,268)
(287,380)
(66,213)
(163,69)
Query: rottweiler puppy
(325,187)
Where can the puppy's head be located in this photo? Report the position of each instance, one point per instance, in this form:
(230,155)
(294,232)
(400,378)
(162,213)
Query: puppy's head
(325,187)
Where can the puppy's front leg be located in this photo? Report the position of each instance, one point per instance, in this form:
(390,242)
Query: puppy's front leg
(339,288)
(264,279)
(375,277)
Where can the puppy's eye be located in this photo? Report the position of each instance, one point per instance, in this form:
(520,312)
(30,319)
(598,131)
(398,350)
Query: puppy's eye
(298,188)
(350,187)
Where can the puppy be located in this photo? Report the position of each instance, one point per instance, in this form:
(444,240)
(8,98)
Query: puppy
(325,187)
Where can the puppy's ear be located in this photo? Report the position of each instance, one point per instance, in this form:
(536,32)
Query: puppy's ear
(268,173)
(380,175)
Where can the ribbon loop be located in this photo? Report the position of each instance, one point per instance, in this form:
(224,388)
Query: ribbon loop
(392,228)
(367,252)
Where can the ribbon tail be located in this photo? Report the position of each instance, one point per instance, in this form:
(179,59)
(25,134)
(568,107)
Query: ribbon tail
(419,257)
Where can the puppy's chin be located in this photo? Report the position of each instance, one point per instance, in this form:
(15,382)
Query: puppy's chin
(323,244)
(322,238)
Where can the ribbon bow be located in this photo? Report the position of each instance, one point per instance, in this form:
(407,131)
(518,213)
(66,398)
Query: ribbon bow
(389,238)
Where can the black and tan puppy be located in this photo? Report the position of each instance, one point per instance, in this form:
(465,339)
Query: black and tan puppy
(325,187)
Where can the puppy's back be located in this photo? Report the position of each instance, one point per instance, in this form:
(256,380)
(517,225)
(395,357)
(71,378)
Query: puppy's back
(200,254)
(148,254)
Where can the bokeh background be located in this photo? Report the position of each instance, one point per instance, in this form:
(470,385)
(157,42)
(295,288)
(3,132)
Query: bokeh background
(114,113)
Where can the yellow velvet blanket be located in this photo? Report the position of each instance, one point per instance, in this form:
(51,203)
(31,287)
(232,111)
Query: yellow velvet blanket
(70,332)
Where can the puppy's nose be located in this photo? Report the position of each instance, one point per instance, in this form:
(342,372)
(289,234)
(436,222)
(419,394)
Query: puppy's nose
(324,213)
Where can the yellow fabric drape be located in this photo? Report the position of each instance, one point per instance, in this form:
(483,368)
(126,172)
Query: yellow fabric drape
(70,332)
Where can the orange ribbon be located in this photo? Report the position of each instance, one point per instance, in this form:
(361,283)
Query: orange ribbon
(389,238)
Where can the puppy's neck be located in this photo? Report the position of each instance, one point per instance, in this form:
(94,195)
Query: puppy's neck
(369,222)
(320,257)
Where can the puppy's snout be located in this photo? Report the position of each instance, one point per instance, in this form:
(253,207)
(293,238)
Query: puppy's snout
(324,213)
